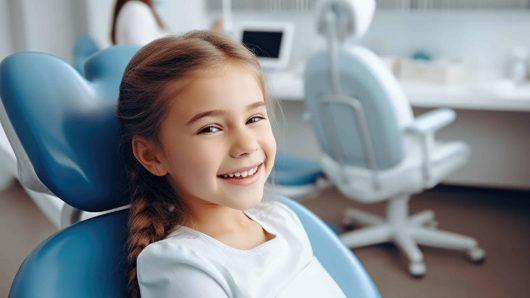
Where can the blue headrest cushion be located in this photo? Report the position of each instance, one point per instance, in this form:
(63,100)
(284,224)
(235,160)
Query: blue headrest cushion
(67,124)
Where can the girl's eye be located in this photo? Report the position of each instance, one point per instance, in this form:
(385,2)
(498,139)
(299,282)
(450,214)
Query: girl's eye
(255,119)
(209,130)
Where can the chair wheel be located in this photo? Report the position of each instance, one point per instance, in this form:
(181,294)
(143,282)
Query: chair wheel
(431,224)
(347,223)
(417,269)
(476,255)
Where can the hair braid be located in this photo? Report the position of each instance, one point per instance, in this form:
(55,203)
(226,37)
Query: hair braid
(150,220)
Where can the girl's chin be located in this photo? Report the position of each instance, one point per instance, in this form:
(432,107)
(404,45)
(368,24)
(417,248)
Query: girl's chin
(246,202)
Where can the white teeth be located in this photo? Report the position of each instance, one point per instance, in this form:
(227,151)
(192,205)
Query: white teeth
(242,174)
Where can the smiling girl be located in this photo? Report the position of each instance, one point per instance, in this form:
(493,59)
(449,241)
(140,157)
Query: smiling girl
(198,146)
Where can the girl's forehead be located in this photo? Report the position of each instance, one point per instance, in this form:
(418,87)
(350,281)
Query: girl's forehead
(197,79)
(221,70)
(215,88)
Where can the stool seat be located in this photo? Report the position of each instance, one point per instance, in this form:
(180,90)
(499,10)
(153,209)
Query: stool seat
(290,170)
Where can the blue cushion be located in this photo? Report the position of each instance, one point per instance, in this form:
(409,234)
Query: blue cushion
(67,123)
(338,260)
(85,260)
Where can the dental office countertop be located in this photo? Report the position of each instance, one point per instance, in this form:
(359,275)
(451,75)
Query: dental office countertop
(497,96)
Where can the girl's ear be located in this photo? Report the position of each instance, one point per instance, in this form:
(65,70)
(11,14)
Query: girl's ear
(146,152)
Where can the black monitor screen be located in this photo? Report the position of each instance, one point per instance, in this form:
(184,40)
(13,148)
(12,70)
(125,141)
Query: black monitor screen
(264,44)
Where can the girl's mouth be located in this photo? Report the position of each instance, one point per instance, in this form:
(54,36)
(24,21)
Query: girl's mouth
(242,177)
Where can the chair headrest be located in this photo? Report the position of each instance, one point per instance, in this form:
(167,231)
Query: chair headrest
(66,125)
(352,17)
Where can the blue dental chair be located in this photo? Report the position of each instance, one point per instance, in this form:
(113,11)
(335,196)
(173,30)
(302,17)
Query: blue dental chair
(373,149)
(66,133)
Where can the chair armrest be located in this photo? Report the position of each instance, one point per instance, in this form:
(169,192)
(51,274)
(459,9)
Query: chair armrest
(431,121)
(423,128)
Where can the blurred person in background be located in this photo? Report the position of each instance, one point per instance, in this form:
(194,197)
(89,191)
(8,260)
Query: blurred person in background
(137,22)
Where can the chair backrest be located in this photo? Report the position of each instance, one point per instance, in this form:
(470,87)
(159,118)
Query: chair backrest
(356,106)
(63,127)
(337,126)
(74,155)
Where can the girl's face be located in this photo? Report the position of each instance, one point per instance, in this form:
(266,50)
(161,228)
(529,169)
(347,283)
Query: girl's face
(216,144)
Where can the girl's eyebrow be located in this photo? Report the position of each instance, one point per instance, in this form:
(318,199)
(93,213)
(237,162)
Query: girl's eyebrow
(221,112)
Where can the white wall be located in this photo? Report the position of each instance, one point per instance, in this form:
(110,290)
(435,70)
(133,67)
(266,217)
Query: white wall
(99,20)
(182,15)
(6,43)
(49,26)
(53,25)
(481,40)
(32,25)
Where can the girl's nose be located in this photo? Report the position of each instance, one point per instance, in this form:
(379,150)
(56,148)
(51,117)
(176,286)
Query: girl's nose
(244,144)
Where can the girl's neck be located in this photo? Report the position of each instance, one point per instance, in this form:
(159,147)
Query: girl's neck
(229,226)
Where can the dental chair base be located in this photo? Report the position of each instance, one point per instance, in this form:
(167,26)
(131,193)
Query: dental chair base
(406,232)
(396,184)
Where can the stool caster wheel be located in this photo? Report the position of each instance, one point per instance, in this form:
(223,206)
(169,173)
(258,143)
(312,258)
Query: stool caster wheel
(476,255)
(417,269)
(431,224)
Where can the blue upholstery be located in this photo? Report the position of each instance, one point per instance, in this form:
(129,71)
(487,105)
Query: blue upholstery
(84,47)
(66,124)
(68,127)
(338,260)
(85,260)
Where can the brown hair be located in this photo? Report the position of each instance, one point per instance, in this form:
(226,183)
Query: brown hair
(142,106)
(117,8)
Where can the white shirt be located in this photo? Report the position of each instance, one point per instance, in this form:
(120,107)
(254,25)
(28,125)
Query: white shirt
(136,24)
(190,264)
